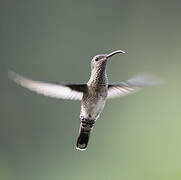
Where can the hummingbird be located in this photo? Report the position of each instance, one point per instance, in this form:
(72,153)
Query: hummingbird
(93,94)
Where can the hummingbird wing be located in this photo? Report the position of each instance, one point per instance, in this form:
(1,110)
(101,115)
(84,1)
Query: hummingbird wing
(55,90)
(132,85)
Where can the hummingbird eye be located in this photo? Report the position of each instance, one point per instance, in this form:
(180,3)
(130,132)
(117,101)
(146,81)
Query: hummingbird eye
(96,59)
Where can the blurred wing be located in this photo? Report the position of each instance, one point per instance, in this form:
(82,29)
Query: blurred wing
(132,85)
(60,91)
(116,90)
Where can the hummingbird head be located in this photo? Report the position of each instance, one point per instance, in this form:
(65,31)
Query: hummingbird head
(100,60)
(98,66)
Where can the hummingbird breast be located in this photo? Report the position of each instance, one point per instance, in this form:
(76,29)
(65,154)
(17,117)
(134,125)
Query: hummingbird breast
(94,99)
(93,102)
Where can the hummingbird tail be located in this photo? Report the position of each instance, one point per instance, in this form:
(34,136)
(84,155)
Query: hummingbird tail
(84,134)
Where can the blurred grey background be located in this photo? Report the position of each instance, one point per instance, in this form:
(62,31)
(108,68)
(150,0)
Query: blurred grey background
(137,137)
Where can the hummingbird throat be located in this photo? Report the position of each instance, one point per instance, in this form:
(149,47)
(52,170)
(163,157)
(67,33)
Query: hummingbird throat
(98,75)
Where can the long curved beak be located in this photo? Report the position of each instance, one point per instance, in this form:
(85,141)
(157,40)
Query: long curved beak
(114,52)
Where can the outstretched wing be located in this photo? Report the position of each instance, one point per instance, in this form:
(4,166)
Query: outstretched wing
(132,85)
(55,90)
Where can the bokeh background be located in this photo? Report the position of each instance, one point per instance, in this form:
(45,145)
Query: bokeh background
(136,137)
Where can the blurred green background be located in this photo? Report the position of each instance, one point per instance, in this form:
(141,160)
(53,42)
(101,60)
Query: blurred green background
(137,137)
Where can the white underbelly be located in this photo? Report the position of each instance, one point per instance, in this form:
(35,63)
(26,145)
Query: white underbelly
(93,108)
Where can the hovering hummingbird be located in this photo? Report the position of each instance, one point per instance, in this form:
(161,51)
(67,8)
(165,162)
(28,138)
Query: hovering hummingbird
(92,95)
